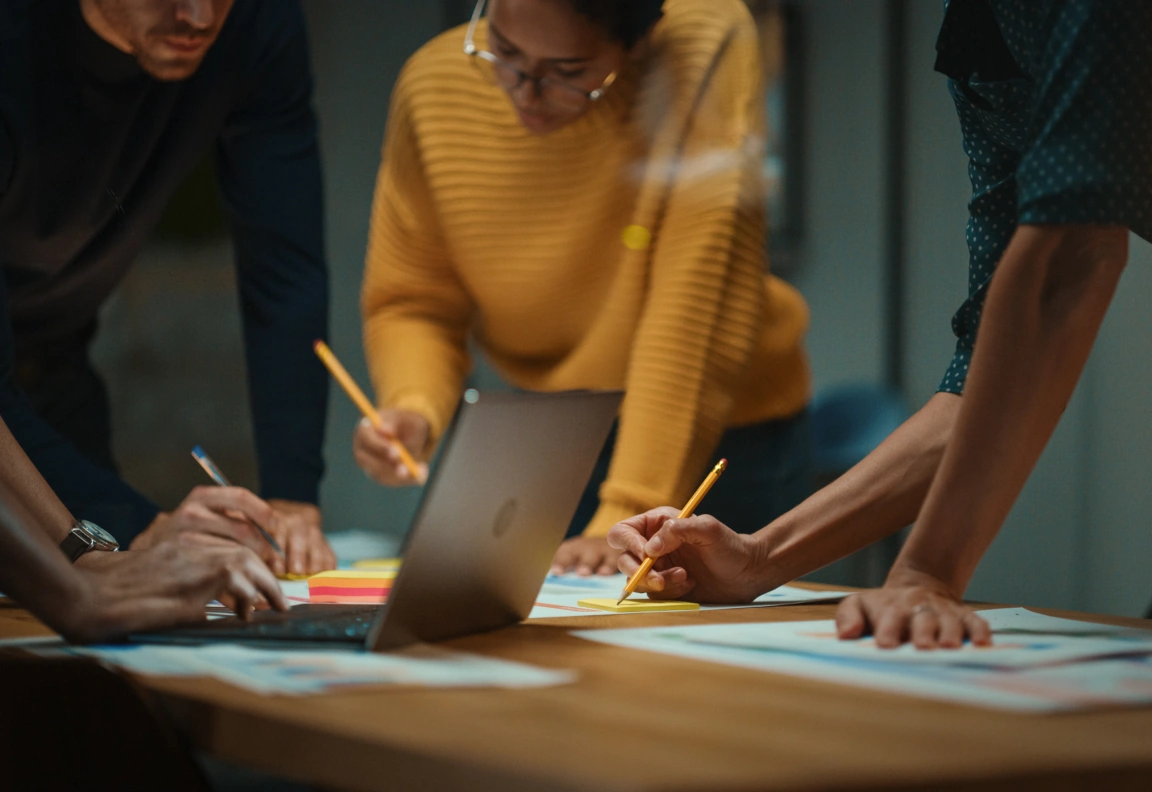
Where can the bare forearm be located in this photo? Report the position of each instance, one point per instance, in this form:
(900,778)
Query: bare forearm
(27,488)
(877,497)
(1044,308)
(34,571)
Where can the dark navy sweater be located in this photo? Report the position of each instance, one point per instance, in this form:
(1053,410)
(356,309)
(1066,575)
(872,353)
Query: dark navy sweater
(91,149)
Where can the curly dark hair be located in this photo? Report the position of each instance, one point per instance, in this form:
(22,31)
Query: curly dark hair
(625,21)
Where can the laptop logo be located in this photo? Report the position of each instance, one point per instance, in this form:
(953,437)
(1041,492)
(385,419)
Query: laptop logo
(504,518)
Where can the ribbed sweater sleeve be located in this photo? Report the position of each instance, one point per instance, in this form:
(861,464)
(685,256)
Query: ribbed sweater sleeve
(416,311)
(704,308)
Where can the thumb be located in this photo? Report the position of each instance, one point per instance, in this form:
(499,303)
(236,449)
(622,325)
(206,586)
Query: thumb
(387,423)
(412,430)
(851,621)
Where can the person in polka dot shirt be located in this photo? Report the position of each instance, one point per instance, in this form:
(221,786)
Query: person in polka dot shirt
(1054,99)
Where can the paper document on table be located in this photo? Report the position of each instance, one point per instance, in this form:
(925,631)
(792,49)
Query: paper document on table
(561,594)
(1021,621)
(1054,679)
(1013,647)
(295,591)
(31,640)
(292,672)
(351,545)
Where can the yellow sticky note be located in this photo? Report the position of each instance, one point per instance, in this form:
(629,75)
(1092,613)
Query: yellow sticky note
(636,605)
(336,576)
(377,563)
(293,576)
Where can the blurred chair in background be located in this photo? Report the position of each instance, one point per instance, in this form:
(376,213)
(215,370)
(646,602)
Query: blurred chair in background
(848,422)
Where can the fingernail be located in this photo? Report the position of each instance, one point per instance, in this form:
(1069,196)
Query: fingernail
(654,546)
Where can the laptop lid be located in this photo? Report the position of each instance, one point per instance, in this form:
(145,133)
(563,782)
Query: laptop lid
(497,506)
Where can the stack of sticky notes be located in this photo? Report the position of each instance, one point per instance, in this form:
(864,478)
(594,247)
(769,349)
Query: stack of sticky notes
(351,586)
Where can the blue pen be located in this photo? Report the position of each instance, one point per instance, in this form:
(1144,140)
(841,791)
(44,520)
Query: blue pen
(213,471)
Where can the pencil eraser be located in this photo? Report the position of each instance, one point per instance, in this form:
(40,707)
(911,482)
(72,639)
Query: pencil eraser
(637,605)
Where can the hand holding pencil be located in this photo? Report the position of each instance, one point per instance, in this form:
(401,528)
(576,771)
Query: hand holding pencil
(694,557)
(374,446)
(382,439)
(646,565)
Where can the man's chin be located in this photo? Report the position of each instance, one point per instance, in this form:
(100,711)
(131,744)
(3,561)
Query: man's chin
(170,69)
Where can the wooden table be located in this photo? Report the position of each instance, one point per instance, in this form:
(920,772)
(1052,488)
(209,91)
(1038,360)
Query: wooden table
(639,721)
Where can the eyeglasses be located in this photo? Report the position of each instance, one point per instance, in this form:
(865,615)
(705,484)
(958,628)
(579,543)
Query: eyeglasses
(554,92)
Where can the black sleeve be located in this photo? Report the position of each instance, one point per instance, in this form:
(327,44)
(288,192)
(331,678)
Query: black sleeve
(269,166)
(89,492)
(7,155)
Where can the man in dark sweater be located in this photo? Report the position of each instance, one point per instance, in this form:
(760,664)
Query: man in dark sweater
(105,106)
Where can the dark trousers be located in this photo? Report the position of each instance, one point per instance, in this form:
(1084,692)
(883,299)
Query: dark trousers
(68,393)
(769,472)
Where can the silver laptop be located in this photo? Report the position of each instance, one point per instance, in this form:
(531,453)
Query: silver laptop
(506,483)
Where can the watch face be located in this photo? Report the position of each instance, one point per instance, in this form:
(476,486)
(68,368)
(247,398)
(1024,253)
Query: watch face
(98,534)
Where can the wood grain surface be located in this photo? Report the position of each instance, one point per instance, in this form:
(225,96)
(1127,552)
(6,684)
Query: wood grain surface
(639,721)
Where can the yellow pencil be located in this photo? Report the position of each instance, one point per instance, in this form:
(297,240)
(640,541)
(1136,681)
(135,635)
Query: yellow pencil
(341,375)
(689,507)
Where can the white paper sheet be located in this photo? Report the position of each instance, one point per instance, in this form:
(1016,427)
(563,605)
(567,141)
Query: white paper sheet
(356,545)
(301,672)
(561,594)
(1023,639)
(1072,685)
(33,640)
(295,591)
(1023,621)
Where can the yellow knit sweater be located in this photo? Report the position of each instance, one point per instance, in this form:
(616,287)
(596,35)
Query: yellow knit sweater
(480,228)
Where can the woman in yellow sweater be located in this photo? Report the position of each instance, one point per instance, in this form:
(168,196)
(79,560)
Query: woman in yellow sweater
(576,184)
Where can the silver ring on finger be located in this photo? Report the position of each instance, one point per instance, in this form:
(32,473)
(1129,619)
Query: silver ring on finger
(923,607)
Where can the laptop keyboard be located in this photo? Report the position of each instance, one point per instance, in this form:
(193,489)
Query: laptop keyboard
(311,623)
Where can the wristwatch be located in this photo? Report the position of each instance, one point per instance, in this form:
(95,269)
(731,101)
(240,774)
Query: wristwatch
(86,536)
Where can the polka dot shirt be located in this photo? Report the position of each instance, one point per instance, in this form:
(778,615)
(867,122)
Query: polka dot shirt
(1055,106)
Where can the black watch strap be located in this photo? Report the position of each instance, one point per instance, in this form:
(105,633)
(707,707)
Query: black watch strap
(76,544)
(86,536)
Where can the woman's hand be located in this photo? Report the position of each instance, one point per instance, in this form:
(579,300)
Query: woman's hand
(698,558)
(911,607)
(169,583)
(585,555)
(375,448)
